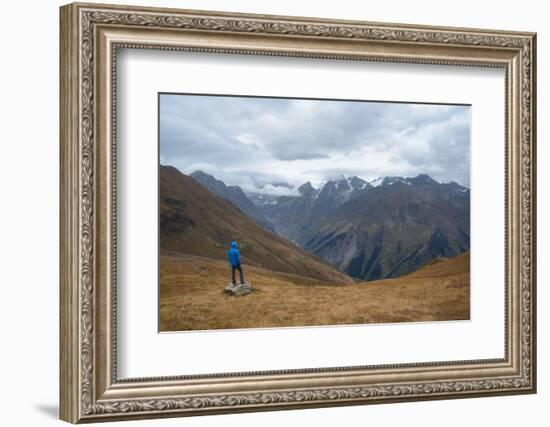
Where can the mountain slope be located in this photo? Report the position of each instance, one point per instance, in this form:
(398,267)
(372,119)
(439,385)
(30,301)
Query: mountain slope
(391,230)
(235,195)
(289,213)
(195,221)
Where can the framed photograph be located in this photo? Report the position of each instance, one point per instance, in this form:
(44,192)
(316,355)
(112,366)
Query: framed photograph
(266,212)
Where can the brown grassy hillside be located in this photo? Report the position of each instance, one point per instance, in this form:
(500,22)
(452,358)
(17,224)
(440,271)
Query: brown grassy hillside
(195,221)
(192,298)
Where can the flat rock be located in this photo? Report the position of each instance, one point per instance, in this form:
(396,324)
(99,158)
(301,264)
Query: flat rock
(239,289)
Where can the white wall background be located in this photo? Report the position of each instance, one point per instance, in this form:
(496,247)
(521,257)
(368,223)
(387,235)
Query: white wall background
(29,171)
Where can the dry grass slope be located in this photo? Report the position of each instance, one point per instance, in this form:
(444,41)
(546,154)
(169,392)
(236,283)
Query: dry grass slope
(192,298)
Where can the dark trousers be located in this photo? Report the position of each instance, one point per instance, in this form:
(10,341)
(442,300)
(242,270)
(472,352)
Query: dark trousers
(236,267)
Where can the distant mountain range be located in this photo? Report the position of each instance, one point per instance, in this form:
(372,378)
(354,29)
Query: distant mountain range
(375,229)
(196,221)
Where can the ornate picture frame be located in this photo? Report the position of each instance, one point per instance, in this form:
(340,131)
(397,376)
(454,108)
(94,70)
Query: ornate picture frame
(90,36)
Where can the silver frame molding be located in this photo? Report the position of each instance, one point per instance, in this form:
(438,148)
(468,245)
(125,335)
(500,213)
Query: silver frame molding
(90,37)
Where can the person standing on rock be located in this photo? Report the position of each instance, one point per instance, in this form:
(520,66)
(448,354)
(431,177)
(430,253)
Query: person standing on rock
(234,256)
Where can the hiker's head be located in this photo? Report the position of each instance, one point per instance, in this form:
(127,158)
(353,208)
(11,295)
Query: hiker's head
(234,245)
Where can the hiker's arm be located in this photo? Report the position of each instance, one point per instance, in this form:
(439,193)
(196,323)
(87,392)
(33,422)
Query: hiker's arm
(238,257)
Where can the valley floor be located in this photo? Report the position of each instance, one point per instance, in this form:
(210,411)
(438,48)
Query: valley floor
(192,297)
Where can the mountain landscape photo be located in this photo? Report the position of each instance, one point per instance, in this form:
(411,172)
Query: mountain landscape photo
(325,236)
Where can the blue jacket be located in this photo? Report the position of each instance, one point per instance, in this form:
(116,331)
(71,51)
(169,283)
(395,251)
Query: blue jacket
(234,255)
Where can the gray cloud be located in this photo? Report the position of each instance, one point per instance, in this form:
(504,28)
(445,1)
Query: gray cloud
(245,141)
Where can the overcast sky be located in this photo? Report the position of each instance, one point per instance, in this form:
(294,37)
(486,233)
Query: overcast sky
(256,142)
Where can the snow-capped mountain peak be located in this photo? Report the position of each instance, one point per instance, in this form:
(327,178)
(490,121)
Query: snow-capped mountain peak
(390,180)
(377,182)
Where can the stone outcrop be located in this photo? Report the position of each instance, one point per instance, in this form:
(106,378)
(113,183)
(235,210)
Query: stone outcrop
(238,289)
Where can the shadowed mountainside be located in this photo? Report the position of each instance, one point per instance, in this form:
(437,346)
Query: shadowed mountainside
(392,230)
